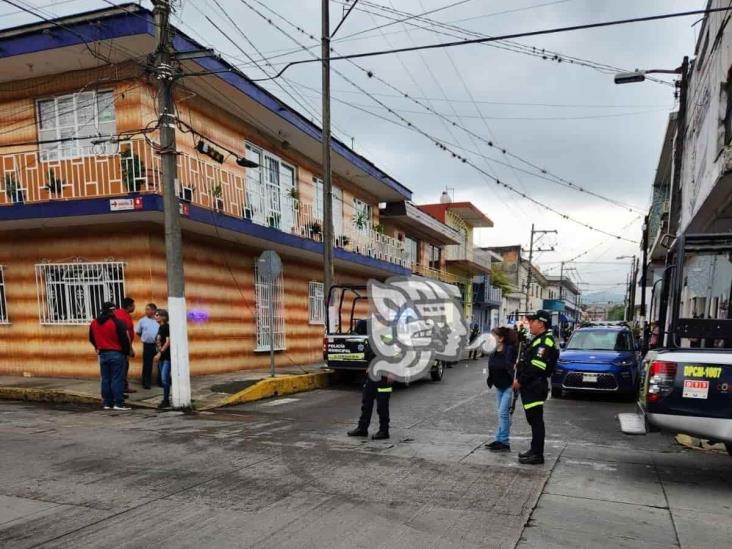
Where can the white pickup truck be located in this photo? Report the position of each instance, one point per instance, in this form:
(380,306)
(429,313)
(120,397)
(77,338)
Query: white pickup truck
(686,383)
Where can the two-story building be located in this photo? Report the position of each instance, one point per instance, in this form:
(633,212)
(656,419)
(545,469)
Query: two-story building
(463,261)
(81,212)
(563,299)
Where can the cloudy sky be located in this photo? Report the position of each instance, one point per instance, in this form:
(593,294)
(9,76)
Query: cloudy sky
(557,114)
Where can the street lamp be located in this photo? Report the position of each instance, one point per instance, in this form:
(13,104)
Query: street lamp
(639,75)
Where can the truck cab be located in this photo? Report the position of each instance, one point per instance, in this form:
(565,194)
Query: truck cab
(686,382)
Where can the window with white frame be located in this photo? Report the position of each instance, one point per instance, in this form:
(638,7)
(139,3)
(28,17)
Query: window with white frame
(269,292)
(69,124)
(336,201)
(73,293)
(316,303)
(3,302)
(269,191)
(412,247)
(361,215)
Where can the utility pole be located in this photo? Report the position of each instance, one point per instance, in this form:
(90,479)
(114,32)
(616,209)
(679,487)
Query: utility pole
(531,257)
(328,272)
(675,213)
(166,75)
(644,282)
(561,279)
(633,284)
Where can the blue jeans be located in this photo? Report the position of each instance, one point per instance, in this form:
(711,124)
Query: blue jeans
(112,369)
(504,396)
(165,378)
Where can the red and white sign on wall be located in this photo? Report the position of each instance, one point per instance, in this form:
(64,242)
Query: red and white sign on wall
(122,204)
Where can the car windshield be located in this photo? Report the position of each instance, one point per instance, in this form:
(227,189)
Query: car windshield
(600,340)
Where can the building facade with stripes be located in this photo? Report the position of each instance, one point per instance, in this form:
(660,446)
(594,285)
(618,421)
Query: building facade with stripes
(81,218)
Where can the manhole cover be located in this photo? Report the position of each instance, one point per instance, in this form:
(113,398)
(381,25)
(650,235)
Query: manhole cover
(233,386)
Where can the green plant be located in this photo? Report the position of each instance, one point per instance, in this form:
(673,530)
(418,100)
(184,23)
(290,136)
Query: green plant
(217,191)
(379,228)
(132,168)
(55,184)
(360,219)
(499,279)
(12,188)
(315,228)
(294,193)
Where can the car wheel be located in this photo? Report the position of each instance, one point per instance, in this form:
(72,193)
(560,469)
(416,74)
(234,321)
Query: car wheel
(728,445)
(438,371)
(557,392)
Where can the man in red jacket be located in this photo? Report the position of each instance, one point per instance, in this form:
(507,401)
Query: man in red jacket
(124,313)
(111,341)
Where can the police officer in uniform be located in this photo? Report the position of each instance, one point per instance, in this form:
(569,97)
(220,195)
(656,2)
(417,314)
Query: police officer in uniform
(532,381)
(380,391)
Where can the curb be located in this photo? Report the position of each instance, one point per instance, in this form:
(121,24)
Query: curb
(276,386)
(57,396)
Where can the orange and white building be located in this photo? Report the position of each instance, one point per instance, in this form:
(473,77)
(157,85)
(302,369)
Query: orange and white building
(81,218)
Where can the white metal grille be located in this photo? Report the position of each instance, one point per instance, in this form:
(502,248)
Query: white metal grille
(73,293)
(3,302)
(316,303)
(265,292)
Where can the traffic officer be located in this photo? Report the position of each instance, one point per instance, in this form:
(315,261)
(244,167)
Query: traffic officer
(532,381)
(380,391)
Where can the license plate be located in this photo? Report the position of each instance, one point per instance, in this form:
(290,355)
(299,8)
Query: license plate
(589,378)
(695,388)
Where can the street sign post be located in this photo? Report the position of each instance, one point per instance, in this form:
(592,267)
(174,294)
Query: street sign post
(269,266)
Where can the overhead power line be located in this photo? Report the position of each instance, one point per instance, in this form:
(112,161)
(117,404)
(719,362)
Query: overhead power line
(438,142)
(541,32)
(541,172)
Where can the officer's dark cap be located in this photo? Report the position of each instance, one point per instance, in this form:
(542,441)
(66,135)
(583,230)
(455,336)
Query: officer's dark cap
(543,316)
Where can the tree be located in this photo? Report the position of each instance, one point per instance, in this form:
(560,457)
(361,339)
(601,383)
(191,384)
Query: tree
(616,312)
(499,279)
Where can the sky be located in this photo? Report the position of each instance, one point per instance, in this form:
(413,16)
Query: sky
(549,114)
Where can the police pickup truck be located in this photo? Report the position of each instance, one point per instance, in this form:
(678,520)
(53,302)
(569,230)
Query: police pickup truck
(686,382)
(346,342)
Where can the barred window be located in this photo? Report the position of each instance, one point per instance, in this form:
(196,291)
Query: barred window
(269,292)
(73,293)
(316,304)
(3,302)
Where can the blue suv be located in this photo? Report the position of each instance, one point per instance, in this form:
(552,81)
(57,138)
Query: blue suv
(600,359)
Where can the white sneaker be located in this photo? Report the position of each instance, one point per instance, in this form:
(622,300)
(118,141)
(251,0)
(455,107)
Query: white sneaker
(122,408)
(107,407)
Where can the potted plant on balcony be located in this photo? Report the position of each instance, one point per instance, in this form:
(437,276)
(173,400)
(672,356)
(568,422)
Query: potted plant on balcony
(360,220)
(132,169)
(294,193)
(218,192)
(342,241)
(55,185)
(13,190)
(274,221)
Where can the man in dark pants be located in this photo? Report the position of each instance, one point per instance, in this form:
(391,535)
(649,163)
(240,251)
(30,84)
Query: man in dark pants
(379,391)
(540,360)
(147,329)
(124,313)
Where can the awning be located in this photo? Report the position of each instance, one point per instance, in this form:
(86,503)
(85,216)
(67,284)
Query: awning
(563,318)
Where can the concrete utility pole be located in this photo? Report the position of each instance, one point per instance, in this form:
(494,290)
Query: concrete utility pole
(561,279)
(328,272)
(531,257)
(166,75)
(644,282)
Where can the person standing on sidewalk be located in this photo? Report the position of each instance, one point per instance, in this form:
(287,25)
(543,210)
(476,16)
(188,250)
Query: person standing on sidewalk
(474,333)
(109,337)
(501,366)
(147,329)
(124,314)
(163,355)
(380,391)
(532,381)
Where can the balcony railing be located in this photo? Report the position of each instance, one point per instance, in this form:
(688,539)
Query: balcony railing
(134,167)
(436,274)
(461,252)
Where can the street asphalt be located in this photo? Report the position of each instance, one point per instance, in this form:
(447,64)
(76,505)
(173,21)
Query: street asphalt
(281,473)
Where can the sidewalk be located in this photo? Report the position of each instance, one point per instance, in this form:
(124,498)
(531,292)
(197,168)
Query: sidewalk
(207,392)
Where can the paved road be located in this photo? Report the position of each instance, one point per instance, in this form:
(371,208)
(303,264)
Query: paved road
(282,473)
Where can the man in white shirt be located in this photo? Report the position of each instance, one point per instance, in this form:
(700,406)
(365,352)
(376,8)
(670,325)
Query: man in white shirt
(147,329)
